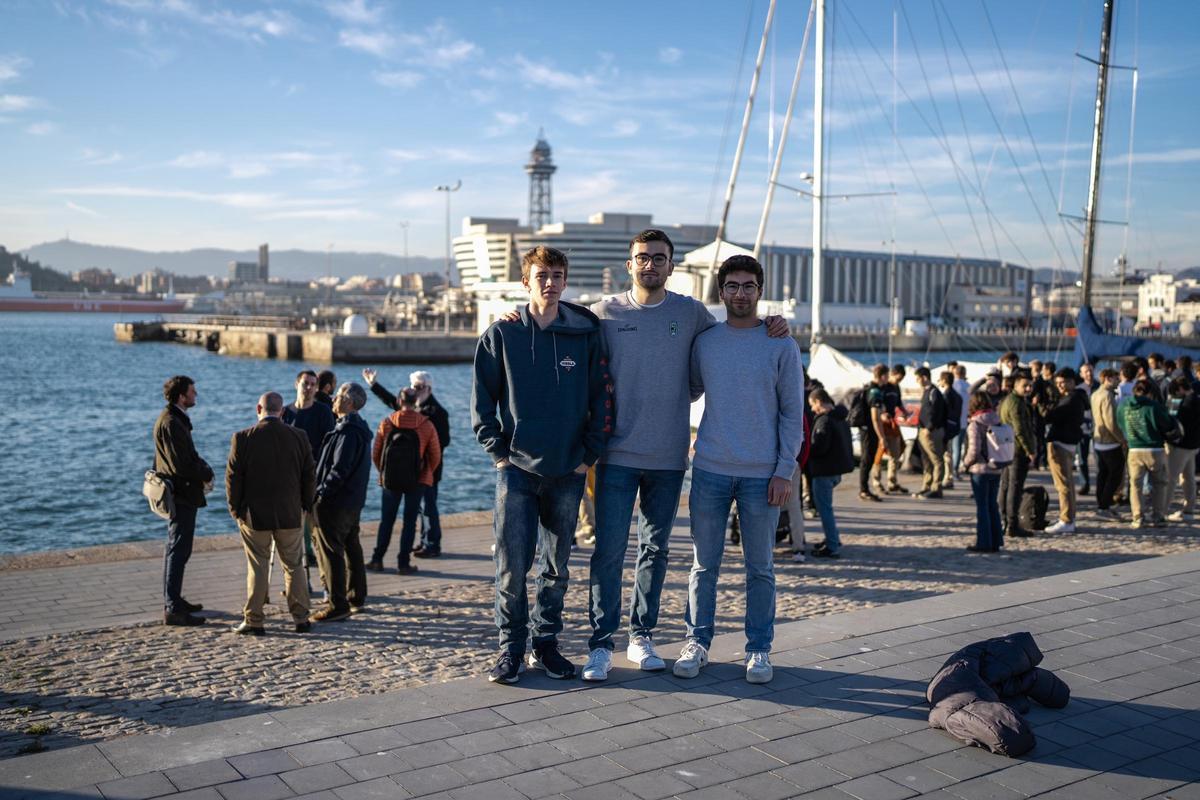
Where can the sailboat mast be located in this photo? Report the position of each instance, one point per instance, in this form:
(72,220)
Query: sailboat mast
(1093,203)
(818,195)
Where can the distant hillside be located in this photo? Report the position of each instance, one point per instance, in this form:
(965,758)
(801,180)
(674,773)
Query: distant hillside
(69,256)
(42,279)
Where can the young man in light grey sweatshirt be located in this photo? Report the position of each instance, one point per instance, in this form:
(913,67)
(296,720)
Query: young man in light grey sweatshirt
(648,332)
(746,450)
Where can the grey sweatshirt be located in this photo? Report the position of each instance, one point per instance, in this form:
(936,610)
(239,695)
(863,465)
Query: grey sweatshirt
(753,386)
(649,349)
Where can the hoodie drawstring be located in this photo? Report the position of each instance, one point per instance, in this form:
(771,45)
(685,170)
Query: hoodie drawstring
(554,339)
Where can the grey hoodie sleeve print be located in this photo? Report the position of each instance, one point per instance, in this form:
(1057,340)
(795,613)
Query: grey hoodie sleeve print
(486,391)
(600,400)
(790,395)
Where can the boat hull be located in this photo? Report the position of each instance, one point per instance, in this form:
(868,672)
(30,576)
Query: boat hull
(90,304)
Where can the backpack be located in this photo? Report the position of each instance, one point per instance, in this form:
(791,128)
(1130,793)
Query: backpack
(400,465)
(1000,445)
(1031,514)
(856,404)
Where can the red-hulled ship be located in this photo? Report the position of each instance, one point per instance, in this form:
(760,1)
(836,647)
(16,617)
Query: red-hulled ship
(18,295)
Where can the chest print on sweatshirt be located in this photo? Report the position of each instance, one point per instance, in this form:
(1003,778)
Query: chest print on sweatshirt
(674,328)
(567,363)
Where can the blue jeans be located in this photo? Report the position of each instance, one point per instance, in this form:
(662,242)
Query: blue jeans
(433,534)
(989,535)
(956,447)
(822,493)
(616,487)
(531,508)
(389,506)
(181,531)
(710,498)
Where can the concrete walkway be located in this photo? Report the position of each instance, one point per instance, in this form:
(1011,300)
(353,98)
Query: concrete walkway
(844,717)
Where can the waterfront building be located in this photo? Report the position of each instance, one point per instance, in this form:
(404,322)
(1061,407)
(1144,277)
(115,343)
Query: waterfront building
(243,271)
(1164,300)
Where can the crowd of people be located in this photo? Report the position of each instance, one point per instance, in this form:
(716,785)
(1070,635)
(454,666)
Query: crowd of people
(588,407)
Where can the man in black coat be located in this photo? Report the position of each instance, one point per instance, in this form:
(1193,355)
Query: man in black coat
(422,382)
(931,436)
(176,460)
(343,472)
(1064,429)
(269,482)
(830,456)
(1181,454)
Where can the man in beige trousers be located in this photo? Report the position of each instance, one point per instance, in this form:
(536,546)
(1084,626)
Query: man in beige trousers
(269,482)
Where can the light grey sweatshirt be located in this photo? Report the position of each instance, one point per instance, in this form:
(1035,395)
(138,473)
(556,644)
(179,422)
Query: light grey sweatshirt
(753,386)
(649,349)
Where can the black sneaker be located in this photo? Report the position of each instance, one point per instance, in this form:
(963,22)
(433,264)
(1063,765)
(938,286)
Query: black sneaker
(374,565)
(508,668)
(406,569)
(822,551)
(546,657)
(190,608)
(428,552)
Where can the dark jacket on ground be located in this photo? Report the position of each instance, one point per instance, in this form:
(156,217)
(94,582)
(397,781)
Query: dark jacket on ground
(316,421)
(431,408)
(270,476)
(1065,420)
(1187,414)
(344,467)
(981,691)
(541,398)
(933,408)
(831,450)
(176,459)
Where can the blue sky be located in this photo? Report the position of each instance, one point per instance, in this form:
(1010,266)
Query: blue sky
(172,124)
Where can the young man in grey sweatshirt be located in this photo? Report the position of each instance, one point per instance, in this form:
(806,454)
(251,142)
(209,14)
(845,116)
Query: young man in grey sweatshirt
(746,450)
(648,332)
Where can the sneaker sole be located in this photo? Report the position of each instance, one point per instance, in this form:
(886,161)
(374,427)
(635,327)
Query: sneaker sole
(594,677)
(642,665)
(759,678)
(512,680)
(686,672)
(536,664)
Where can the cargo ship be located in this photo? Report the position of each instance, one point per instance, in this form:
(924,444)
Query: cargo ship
(17,295)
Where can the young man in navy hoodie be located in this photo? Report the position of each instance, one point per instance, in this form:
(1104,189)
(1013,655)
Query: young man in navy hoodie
(541,407)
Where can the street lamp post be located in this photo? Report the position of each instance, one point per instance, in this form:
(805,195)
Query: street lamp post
(446,290)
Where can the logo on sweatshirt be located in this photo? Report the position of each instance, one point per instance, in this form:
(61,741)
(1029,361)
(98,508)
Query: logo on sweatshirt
(567,363)
(626,328)
(674,328)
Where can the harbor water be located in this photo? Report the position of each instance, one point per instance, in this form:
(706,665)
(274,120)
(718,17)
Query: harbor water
(77,409)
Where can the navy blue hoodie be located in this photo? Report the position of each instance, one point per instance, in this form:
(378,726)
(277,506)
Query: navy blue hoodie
(541,398)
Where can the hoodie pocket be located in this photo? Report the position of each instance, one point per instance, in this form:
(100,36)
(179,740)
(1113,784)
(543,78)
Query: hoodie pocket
(533,438)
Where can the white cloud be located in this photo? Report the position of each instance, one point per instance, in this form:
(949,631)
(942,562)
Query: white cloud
(403,156)
(83,209)
(248,169)
(16,102)
(327,214)
(379,44)
(626,127)
(355,12)
(98,158)
(264,201)
(1182,155)
(670,55)
(449,54)
(253,25)
(399,79)
(197,159)
(43,128)
(11,67)
(551,78)
(505,121)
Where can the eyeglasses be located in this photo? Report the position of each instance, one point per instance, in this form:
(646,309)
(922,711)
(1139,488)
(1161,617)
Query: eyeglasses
(740,288)
(645,259)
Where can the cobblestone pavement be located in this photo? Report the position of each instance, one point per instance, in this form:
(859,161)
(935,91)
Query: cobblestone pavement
(67,689)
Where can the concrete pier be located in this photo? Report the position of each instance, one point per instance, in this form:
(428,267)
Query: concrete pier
(272,338)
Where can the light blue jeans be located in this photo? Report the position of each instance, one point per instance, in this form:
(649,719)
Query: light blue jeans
(710,499)
(616,488)
(822,492)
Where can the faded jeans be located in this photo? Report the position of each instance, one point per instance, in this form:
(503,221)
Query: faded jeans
(710,499)
(389,506)
(988,533)
(616,488)
(531,509)
(181,532)
(822,490)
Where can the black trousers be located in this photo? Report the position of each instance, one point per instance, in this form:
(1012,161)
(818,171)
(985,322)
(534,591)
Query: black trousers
(870,446)
(1110,471)
(1012,486)
(1085,446)
(340,554)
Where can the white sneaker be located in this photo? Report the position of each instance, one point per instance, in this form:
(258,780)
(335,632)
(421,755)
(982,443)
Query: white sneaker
(1061,527)
(598,664)
(799,557)
(641,652)
(691,659)
(1180,516)
(758,668)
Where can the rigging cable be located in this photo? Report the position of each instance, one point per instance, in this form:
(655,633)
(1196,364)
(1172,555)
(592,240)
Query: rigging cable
(1062,178)
(1028,130)
(733,93)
